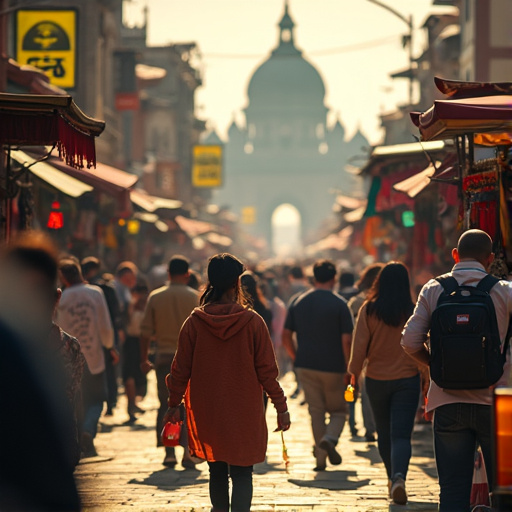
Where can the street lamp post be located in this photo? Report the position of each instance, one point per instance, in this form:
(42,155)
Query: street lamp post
(407,40)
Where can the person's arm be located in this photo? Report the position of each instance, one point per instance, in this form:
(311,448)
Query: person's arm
(147,331)
(414,335)
(181,368)
(105,326)
(360,342)
(288,344)
(145,364)
(267,371)
(346,342)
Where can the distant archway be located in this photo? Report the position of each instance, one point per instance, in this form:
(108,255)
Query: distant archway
(286,231)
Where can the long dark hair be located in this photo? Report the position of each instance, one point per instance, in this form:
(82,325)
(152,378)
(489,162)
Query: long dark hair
(223,272)
(251,285)
(390,299)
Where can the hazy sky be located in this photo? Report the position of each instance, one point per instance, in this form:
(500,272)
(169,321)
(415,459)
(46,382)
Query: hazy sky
(354,44)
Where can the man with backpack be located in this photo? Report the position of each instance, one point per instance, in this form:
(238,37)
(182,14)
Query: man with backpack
(465,322)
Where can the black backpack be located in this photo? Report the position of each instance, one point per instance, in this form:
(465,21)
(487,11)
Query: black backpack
(465,348)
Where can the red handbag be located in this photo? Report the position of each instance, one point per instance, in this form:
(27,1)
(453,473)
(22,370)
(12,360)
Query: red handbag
(171,434)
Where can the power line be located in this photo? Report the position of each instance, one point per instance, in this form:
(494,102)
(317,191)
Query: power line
(318,53)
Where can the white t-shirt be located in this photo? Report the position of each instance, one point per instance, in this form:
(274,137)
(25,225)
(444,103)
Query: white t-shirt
(83,313)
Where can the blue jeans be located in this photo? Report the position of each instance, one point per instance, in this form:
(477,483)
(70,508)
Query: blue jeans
(241,494)
(458,428)
(394,404)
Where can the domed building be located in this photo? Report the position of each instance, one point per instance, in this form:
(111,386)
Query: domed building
(286,153)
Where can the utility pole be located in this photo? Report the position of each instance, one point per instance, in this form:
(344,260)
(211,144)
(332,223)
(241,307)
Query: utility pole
(407,39)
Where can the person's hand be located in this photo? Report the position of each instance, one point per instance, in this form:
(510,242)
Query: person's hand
(173,415)
(146,366)
(283,421)
(349,378)
(114,355)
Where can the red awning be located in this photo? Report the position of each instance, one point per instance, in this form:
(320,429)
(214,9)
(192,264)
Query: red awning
(49,120)
(106,178)
(479,113)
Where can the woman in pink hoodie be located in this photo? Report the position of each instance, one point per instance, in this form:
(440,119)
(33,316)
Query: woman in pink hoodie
(224,361)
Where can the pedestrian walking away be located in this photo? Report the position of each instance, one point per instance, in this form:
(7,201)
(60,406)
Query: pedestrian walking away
(462,417)
(364,284)
(83,313)
(166,310)
(323,324)
(392,377)
(225,360)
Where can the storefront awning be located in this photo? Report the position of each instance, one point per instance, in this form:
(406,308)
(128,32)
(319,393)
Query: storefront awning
(413,185)
(46,172)
(153,203)
(54,120)
(335,241)
(473,107)
(193,227)
(384,155)
(105,178)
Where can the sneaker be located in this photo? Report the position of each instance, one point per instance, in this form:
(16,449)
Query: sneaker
(88,449)
(398,492)
(330,448)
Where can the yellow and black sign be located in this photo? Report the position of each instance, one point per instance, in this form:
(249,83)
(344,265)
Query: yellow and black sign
(207,166)
(47,40)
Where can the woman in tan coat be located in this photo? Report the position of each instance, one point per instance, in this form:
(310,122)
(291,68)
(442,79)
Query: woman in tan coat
(223,363)
(392,377)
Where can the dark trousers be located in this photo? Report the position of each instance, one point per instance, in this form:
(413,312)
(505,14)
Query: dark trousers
(394,404)
(241,496)
(94,392)
(111,380)
(458,429)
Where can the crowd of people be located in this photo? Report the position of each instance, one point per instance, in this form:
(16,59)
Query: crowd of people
(219,335)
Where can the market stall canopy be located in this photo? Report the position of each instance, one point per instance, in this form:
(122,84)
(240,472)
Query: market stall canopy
(473,107)
(152,203)
(55,178)
(49,120)
(385,155)
(106,178)
(335,241)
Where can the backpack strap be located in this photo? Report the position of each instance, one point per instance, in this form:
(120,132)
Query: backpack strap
(486,284)
(448,282)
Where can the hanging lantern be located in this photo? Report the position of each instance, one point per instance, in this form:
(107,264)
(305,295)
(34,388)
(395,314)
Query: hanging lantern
(55,219)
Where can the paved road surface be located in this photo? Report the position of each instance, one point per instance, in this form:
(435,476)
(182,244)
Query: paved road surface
(133,478)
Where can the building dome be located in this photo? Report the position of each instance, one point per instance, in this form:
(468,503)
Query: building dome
(286,78)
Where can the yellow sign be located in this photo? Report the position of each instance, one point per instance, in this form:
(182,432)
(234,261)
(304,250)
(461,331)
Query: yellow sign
(47,40)
(248,215)
(207,166)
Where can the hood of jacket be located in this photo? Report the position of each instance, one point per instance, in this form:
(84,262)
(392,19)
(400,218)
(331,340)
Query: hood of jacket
(223,320)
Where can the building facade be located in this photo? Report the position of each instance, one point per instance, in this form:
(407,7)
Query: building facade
(286,153)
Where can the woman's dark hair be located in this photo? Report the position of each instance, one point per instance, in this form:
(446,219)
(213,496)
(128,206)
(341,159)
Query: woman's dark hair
(390,299)
(368,276)
(223,272)
(251,285)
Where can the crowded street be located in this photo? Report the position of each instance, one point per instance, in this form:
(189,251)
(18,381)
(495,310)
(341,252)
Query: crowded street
(128,474)
(255,255)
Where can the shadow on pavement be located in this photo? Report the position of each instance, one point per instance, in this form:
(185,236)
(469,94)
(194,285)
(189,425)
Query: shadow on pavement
(169,478)
(417,506)
(371,454)
(333,481)
(109,427)
(266,467)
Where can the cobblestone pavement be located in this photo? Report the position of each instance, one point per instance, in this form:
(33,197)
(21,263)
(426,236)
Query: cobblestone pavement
(128,473)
